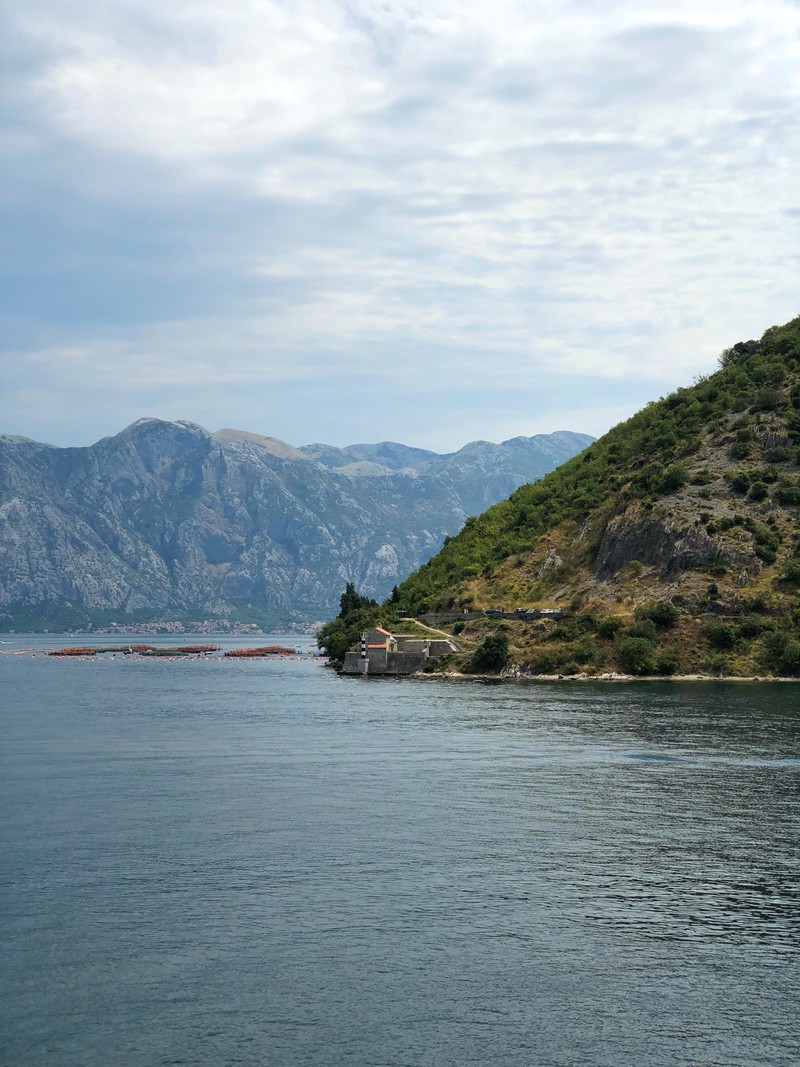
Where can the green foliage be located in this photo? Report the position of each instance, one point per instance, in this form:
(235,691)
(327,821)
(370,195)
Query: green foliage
(791,573)
(718,665)
(357,614)
(458,627)
(664,614)
(767,399)
(492,654)
(546,661)
(675,476)
(636,656)
(751,627)
(645,628)
(788,494)
(667,663)
(789,661)
(350,601)
(584,650)
(758,491)
(738,481)
(720,635)
(781,652)
(633,568)
(641,458)
(609,626)
(767,474)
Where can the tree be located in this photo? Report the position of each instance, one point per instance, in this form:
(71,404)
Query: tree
(492,655)
(351,601)
(636,656)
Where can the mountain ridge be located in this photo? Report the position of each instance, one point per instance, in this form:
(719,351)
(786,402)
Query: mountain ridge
(166,517)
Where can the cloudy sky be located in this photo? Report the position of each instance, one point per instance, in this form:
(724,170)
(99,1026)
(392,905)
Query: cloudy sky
(423,220)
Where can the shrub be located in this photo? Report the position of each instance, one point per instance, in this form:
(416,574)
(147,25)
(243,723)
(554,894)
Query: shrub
(766,553)
(758,491)
(458,627)
(636,656)
(767,399)
(633,568)
(646,629)
(584,650)
(789,662)
(718,665)
(702,477)
(775,644)
(738,481)
(751,628)
(788,494)
(662,613)
(545,662)
(667,663)
(609,626)
(674,477)
(492,654)
(720,635)
(563,632)
(791,573)
(767,474)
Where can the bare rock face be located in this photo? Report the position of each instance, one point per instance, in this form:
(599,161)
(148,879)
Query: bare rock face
(166,516)
(668,546)
(551,563)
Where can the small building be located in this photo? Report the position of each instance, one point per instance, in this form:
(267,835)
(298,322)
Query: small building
(380,652)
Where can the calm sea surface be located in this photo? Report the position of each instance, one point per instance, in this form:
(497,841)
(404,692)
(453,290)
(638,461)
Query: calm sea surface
(259,863)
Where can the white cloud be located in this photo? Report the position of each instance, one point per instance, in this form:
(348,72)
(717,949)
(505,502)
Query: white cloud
(576,191)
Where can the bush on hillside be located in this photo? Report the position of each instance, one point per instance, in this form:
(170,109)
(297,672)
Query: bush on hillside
(609,626)
(492,654)
(636,656)
(720,635)
(663,613)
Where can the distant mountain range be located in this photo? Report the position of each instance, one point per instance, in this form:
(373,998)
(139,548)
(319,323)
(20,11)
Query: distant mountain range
(168,520)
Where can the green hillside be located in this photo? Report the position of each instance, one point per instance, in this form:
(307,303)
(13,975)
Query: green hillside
(678,530)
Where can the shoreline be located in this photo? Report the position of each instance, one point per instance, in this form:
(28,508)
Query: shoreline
(610,676)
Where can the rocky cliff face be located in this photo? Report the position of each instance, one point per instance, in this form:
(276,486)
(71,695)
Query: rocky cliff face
(170,518)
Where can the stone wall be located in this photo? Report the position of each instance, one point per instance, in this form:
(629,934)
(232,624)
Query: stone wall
(411,644)
(405,662)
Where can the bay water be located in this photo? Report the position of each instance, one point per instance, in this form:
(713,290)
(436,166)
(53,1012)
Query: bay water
(217,862)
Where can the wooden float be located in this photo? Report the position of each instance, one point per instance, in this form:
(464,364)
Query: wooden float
(181,650)
(256,653)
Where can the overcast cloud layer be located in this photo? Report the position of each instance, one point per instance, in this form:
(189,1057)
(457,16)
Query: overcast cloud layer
(426,221)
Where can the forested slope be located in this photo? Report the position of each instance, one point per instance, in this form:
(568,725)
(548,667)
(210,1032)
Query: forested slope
(692,503)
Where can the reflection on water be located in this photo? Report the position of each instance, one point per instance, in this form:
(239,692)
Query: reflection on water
(261,863)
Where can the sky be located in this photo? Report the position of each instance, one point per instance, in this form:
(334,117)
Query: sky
(428,221)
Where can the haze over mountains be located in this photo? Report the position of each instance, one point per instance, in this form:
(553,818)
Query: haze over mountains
(168,520)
